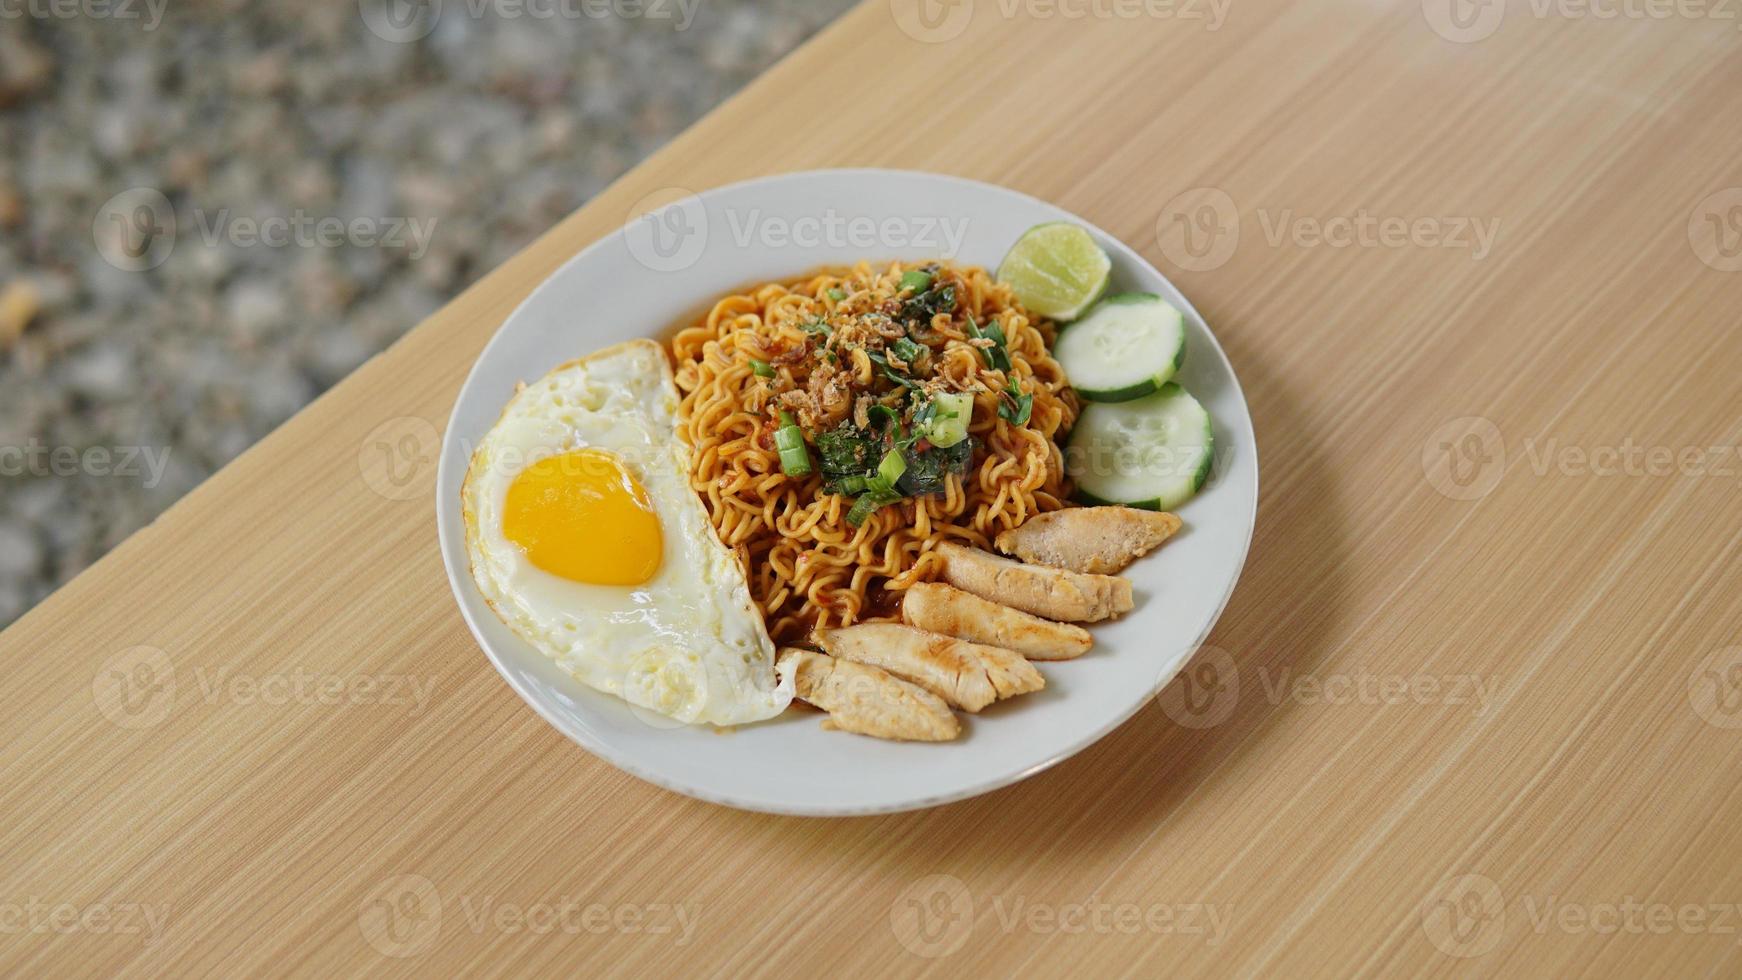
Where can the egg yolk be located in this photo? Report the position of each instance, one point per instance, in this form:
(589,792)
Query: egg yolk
(582,516)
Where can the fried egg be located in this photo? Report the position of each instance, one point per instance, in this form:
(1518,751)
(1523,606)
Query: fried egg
(586,538)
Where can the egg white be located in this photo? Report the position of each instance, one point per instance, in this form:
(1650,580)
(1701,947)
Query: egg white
(690,644)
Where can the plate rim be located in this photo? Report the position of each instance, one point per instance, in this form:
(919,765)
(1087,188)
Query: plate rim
(457,583)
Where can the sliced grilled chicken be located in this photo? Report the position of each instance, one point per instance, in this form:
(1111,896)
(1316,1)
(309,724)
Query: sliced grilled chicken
(967,675)
(868,701)
(945,609)
(1073,597)
(1097,540)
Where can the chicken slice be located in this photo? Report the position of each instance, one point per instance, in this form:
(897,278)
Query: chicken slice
(967,675)
(946,609)
(869,701)
(1054,593)
(1098,540)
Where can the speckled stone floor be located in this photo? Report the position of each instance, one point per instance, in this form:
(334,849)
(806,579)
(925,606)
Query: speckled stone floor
(442,135)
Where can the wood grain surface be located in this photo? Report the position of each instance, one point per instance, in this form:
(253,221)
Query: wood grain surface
(1473,708)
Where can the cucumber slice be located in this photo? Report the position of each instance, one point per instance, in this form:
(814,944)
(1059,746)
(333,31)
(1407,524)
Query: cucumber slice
(1127,347)
(1056,270)
(1152,452)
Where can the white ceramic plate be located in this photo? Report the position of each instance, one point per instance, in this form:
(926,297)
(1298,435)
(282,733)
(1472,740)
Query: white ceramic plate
(669,265)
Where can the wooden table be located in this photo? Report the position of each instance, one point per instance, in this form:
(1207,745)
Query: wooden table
(1473,707)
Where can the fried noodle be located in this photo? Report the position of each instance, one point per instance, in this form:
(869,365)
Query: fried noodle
(806,565)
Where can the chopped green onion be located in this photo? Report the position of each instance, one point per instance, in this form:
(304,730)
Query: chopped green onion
(837,294)
(907,350)
(816,326)
(878,358)
(850,485)
(996,357)
(916,281)
(762,369)
(795,460)
(1023,407)
(869,503)
(880,416)
(923,306)
(888,471)
(862,510)
(946,419)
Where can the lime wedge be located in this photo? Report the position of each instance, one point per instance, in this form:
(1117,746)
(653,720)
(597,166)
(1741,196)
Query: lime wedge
(1056,269)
